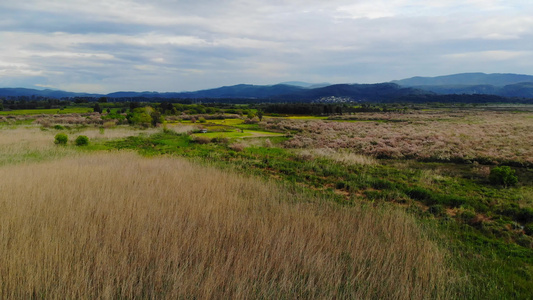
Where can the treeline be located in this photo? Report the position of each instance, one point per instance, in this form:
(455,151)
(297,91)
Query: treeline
(33,104)
(460,98)
(327,109)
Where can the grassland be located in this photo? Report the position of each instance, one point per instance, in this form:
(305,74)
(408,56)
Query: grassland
(303,214)
(166,228)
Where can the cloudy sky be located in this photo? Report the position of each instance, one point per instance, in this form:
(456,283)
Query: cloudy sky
(183,45)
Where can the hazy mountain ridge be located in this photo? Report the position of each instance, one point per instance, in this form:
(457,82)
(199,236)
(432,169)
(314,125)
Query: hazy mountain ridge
(504,85)
(495,79)
(6,92)
(293,91)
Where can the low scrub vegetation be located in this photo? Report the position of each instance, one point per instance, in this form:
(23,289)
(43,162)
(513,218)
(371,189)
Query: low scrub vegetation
(61,139)
(82,140)
(503,175)
(486,137)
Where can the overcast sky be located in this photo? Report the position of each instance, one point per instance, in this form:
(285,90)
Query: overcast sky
(174,45)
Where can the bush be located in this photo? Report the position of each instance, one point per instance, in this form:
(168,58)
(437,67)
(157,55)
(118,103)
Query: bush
(237,147)
(420,194)
(82,140)
(219,140)
(437,210)
(467,215)
(503,175)
(528,229)
(525,215)
(61,139)
(201,140)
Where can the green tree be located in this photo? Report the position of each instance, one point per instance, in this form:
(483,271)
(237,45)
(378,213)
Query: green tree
(97,108)
(142,116)
(503,175)
(156,118)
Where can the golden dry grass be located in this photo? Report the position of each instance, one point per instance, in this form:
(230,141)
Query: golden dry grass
(115,133)
(29,143)
(345,157)
(120,226)
(22,145)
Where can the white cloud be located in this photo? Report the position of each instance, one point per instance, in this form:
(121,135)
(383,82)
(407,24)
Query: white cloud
(487,56)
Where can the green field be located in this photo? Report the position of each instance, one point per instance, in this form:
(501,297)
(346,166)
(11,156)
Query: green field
(68,110)
(238,134)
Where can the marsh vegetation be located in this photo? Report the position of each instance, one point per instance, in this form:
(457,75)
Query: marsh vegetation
(371,205)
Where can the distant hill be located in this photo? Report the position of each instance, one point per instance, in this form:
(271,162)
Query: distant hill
(6,92)
(524,90)
(243,91)
(497,79)
(306,84)
(287,92)
(505,85)
(355,92)
(501,86)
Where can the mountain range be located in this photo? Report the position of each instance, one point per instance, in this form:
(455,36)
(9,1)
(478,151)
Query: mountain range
(503,85)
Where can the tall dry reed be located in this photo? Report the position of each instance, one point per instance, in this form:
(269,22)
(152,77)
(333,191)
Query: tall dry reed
(27,145)
(121,226)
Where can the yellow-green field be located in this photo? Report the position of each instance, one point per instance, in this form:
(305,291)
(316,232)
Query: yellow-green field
(238,134)
(18,112)
(225,122)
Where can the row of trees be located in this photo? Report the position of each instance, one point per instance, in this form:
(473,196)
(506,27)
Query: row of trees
(326,109)
(32,104)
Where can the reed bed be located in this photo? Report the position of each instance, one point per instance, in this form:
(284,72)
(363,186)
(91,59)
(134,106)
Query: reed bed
(27,145)
(116,225)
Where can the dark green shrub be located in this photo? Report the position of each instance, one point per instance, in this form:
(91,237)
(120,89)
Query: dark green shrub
(420,194)
(436,210)
(528,229)
(201,140)
(340,185)
(219,140)
(61,139)
(503,175)
(450,200)
(373,195)
(525,215)
(467,215)
(59,127)
(525,241)
(380,184)
(82,140)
